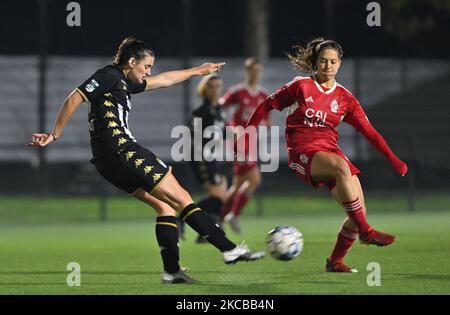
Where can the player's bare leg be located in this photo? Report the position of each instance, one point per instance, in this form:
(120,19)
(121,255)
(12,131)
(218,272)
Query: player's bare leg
(167,236)
(326,166)
(169,191)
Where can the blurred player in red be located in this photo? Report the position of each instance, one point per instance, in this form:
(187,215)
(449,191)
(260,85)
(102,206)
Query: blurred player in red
(316,105)
(245,97)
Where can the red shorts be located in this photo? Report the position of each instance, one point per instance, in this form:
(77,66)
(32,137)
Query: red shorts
(299,162)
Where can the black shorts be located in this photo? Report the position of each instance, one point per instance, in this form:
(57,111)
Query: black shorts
(209,172)
(131,169)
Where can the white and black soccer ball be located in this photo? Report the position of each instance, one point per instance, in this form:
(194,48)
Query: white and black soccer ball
(284,242)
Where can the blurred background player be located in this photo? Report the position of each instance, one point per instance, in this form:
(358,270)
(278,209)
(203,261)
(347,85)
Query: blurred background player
(245,97)
(123,162)
(316,105)
(208,171)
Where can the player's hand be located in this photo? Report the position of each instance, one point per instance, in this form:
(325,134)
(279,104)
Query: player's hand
(41,139)
(401,167)
(208,68)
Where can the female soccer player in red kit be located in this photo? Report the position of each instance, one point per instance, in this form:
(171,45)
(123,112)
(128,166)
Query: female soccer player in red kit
(246,97)
(316,105)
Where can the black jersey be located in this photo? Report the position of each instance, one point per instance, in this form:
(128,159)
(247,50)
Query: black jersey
(207,170)
(108,93)
(211,116)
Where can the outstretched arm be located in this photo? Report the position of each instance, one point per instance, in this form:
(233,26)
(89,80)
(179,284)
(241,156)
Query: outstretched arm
(260,113)
(66,111)
(279,100)
(169,78)
(361,123)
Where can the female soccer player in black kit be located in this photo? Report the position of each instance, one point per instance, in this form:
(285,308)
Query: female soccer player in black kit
(123,162)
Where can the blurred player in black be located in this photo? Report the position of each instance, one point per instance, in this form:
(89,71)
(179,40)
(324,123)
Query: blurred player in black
(208,167)
(126,164)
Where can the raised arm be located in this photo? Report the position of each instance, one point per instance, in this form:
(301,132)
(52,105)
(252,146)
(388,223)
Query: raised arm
(260,113)
(279,100)
(66,111)
(169,78)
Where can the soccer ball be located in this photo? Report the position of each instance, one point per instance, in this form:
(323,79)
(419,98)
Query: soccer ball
(284,242)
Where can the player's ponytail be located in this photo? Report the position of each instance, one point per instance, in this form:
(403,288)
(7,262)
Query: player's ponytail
(305,58)
(131,48)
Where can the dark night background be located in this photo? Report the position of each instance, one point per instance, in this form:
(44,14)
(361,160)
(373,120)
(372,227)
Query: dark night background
(217,27)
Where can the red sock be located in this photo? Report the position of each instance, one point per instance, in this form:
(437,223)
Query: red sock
(344,241)
(239,203)
(355,212)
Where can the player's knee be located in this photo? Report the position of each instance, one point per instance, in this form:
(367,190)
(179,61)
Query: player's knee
(164,211)
(341,170)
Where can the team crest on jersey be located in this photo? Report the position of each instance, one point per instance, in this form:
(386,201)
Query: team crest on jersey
(91,86)
(334,106)
(303,158)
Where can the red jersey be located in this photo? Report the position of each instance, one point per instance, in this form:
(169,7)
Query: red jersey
(314,112)
(246,100)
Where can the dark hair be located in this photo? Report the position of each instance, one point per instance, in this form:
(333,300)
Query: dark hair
(304,59)
(249,62)
(131,48)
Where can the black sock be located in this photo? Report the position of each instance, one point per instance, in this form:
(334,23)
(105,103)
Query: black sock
(204,225)
(213,206)
(167,237)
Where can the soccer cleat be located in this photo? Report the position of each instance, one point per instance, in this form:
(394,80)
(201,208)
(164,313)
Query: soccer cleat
(241,253)
(338,267)
(177,277)
(376,238)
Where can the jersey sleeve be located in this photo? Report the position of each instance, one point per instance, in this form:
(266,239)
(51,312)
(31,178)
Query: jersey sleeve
(279,100)
(229,98)
(98,84)
(135,87)
(266,118)
(357,118)
(284,96)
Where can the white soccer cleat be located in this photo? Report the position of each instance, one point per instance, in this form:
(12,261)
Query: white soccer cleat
(177,277)
(241,253)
